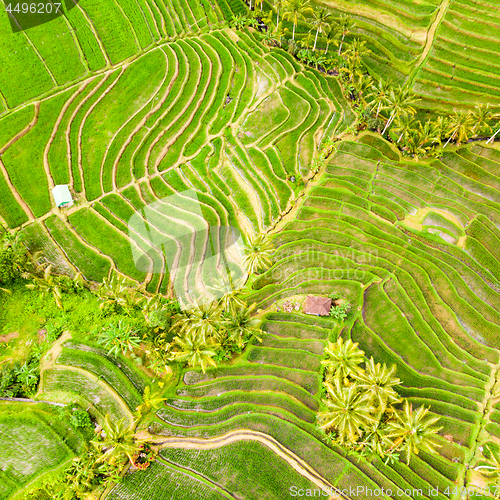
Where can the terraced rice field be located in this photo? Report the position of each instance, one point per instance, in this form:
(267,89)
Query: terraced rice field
(222,118)
(86,375)
(413,247)
(31,446)
(217,113)
(444,49)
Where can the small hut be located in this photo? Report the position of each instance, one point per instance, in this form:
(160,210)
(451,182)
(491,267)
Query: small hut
(318,306)
(62,196)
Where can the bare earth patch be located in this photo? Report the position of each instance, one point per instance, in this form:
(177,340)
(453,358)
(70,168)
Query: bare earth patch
(8,337)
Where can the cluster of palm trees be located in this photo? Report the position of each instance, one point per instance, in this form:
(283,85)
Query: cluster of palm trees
(360,411)
(321,23)
(391,111)
(199,336)
(382,106)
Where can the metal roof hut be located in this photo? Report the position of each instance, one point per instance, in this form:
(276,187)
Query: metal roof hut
(62,196)
(318,306)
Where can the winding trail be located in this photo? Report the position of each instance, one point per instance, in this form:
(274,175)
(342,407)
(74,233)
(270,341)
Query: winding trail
(429,41)
(293,460)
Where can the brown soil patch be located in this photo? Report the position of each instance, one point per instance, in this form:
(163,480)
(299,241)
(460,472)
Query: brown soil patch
(9,337)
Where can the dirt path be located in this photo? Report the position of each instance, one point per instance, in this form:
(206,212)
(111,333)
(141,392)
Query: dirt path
(429,41)
(247,435)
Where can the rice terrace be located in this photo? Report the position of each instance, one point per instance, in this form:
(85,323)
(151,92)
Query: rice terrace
(249,249)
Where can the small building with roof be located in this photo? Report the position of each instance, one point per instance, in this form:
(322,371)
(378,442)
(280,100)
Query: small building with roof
(317,306)
(62,196)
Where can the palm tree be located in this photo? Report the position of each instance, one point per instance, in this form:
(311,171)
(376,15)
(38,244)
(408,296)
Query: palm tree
(345,25)
(118,441)
(460,127)
(492,138)
(355,52)
(482,116)
(306,41)
(375,437)
(48,285)
(402,126)
(413,431)
(492,470)
(258,254)
(295,11)
(203,320)
(379,381)
(363,85)
(321,21)
(347,411)
(270,38)
(193,349)
(278,4)
(343,358)
(331,35)
(240,324)
(401,101)
(379,94)
(414,144)
(119,338)
(115,292)
(151,401)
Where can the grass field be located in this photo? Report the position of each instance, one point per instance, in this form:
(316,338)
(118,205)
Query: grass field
(31,446)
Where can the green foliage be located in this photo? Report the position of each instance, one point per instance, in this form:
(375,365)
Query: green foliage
(360,408)
(340,311)
(120,337)
(80,418)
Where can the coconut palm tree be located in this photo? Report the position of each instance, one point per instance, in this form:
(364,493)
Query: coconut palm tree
(414,145)
(460,127)
(483,116)
(118,441)
(278,4)
(379,96)
(48,285)
(492,138)
(306,41)
(401,101)
(203,320)
(240,325)
(347,412)
(321,21)
(332,35)
(115,292)
(379,381)
(402,126)
(345,25)
(492,469)
(193,349)
(258,254)
(375,437)
(363,86)
(295,11)
(152,400)
(343,358)
(355,51)
(413,431)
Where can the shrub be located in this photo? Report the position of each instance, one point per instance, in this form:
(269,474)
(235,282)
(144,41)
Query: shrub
(9,270)
(80,418)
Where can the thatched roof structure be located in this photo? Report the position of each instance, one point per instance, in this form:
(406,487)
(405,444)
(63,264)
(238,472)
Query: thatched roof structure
(319,306)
